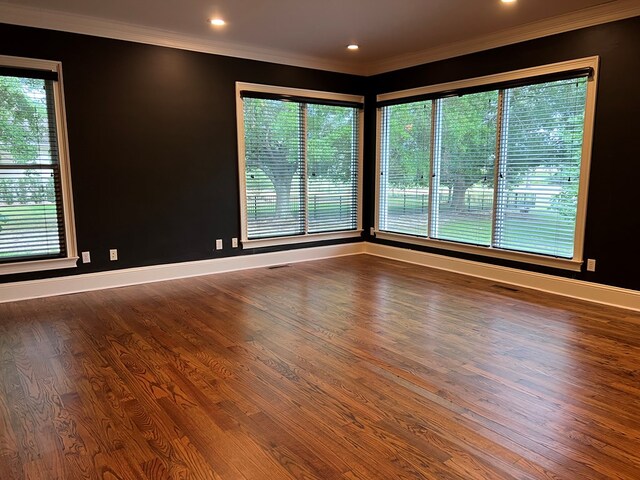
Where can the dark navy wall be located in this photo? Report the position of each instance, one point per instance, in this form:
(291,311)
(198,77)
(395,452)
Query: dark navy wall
(613,214)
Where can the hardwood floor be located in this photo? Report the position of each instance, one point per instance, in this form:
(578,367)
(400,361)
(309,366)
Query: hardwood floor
(349,368)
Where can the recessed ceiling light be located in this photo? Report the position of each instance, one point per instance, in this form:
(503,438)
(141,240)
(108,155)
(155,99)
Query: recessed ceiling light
(508,1)
(218,22)
(353,46)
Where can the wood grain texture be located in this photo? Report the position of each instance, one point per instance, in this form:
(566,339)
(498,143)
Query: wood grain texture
(354,368)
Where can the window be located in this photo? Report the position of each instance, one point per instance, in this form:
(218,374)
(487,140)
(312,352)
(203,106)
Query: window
(495,166)
(300,165)
(36,219)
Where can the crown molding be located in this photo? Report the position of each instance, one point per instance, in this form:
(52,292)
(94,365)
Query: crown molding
(588,17)
(86,25)
(54,20)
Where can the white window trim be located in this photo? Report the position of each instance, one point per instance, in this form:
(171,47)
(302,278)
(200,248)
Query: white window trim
(575,263)
(70,261)
(307,237)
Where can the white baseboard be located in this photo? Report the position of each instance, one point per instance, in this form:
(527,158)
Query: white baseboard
(567,287)
(592,292)
(157,273)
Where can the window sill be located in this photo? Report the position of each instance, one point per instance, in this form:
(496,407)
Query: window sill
(532,258)
(311,237)
(38,265)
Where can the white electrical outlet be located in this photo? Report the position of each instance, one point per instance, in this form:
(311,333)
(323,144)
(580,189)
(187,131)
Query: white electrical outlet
(113,254)
(372,231)
(219,244)
(234,242)
(591,265)
(86,257)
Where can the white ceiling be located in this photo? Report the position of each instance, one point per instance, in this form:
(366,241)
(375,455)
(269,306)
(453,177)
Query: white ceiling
(315,32)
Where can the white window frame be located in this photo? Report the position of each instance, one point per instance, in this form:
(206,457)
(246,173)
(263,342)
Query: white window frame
(306,237)
(71,249)
(575,263)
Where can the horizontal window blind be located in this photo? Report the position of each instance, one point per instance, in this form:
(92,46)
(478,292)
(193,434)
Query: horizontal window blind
(405,173)
(542,146)
(464,178)
(274,144)
(31,217)
(332,168)
(301,166)
(505,165)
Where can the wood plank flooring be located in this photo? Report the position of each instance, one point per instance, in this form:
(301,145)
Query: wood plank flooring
(348,368)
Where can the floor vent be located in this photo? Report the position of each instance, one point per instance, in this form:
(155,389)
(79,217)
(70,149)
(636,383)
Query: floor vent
(278,266)
(504,287)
